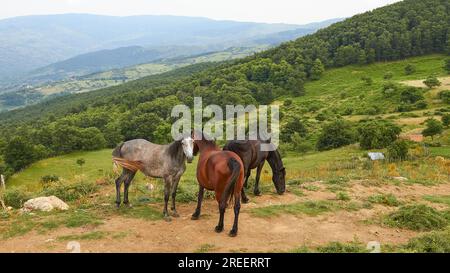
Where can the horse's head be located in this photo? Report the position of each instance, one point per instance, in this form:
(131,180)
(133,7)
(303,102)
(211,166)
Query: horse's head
(279,180)
(188,148)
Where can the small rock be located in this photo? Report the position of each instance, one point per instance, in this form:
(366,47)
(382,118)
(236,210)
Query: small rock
(400,178)
(9,208)
(150,186)
(49,240)
(45,204)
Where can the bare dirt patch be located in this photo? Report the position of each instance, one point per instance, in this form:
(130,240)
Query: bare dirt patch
(282,233)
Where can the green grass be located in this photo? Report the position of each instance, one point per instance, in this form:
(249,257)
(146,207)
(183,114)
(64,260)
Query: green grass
(65,167)
(443,151)
(311,208)
(433,242)
(94,235)
(347,80)
(338,247)
(442,199)
(384,199)
(205,248)
(417,217)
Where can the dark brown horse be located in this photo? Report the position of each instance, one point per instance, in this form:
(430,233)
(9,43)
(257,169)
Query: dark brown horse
(253,157)
(221,172)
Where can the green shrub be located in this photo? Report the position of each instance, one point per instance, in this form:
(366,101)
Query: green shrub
(431,82)
(337,247)
(385,199)
(47,180)
(70,192)
(343,196)
(417,217)
(433,242)
(15,197)
(336,134)
(398,150)
(410,69)
(377,134)
(445,96)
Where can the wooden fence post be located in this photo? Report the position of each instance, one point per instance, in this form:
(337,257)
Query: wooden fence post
(3,182)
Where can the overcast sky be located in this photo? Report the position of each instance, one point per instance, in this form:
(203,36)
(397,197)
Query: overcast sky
(271,11)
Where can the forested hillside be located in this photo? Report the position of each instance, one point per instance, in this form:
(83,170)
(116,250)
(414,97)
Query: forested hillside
(141,109)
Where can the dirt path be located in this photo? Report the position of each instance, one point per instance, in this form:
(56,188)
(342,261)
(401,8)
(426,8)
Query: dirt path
(283,233)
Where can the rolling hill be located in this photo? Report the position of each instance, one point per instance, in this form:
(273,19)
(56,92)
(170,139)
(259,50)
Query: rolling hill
(31,42)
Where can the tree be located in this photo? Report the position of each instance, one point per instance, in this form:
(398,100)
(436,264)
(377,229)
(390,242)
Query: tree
(294,125)
(317,70)
(410,69)
(398,150)
(434,127)
(432,82)
(447,65)
(445,96)
(19,153)
(300,144)
(336,134)
(377,134)
(411,95)
(446,120)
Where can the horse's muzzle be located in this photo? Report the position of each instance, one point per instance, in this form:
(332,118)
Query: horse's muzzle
(189,159)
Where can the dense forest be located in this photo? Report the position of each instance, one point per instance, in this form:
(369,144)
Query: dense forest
(141,109)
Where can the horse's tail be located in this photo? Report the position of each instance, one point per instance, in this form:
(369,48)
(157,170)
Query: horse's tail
(235,168)
(117,152)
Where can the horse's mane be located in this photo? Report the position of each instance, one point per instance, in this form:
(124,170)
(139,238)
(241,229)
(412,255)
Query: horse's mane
(174,149)
(274,159)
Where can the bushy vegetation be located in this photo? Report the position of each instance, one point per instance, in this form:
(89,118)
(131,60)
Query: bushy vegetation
(336,134)
(433,242)
(384,199)
(418,217)
(377,134)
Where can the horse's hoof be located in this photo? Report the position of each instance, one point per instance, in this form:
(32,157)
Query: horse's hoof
(175,214)
(118,205)
(233,233)
(128,205)
(218,229)
(245,201)
(167,218)
(195,217)
(257,193)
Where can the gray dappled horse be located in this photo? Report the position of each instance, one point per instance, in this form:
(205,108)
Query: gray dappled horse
(158,161)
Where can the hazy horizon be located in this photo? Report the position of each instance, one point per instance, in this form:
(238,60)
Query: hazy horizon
(262,11)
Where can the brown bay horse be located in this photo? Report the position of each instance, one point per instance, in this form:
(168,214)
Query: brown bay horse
(221,172)
(253,157)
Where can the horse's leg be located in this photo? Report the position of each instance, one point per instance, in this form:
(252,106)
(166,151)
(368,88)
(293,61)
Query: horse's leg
(244,196)
(196,214)
(256,191)
(167,187)
(119,181)
(237,207)
(222,206)
(247,175)
(174,195)
(129,177)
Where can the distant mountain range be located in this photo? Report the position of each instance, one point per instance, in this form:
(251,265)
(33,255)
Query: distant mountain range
(75,43)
